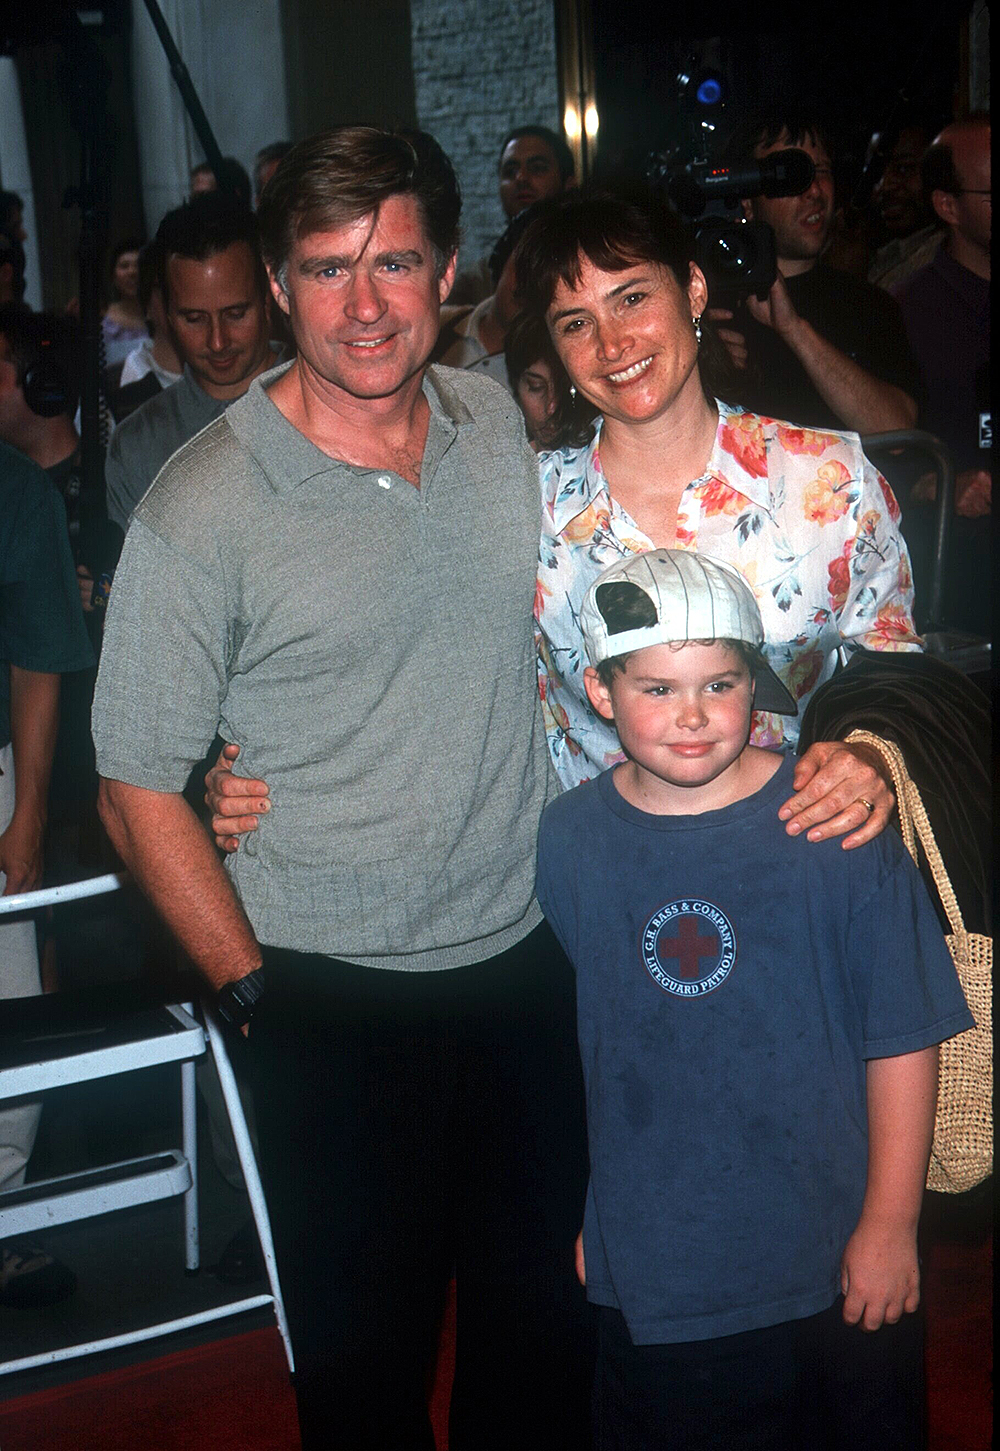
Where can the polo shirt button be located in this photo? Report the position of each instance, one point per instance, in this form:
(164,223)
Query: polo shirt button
(384,481)
(251,845)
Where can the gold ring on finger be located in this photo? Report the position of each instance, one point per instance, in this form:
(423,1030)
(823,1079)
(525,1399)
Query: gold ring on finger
(868,805)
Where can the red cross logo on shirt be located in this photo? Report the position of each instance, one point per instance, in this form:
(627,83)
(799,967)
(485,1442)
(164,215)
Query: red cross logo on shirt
(689,946)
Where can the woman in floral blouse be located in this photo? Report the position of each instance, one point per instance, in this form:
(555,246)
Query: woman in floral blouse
(804,515)
(808,520)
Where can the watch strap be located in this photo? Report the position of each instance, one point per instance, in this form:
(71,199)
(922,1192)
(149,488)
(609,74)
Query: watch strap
(237,1000)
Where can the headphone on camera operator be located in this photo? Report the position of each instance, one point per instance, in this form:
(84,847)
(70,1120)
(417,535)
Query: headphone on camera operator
(44,385)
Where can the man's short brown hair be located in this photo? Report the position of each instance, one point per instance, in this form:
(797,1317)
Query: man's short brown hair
(342,175)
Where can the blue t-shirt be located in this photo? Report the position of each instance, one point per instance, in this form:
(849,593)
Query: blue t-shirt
(731,982)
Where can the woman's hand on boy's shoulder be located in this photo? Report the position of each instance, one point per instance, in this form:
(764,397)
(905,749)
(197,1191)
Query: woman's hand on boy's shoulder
(838,789)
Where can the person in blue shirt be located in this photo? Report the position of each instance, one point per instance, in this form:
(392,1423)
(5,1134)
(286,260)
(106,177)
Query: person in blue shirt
(758,1021)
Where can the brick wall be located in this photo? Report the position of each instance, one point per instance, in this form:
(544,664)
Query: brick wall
(480,67)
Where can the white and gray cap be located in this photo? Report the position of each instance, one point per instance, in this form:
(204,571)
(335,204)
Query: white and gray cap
(688,596)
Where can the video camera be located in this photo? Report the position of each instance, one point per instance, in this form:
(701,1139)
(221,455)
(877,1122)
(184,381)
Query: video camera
(736,255)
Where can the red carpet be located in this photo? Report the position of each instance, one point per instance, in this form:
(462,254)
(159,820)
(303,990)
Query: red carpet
(958,1295)
(229,1395)
(234,1395)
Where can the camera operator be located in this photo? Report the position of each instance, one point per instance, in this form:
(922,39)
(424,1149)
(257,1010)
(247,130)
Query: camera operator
(825,348)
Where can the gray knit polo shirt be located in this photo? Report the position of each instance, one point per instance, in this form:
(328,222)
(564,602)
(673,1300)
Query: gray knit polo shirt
(368,645)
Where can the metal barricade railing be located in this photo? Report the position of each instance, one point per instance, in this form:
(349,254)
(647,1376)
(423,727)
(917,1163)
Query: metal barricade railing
(70,1197)
(944,469)
(969,653)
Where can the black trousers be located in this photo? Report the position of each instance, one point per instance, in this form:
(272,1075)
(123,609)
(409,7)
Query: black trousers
(814,1384)
(413,1125)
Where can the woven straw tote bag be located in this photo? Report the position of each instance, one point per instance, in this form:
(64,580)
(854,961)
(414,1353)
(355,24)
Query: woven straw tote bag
(962,1153)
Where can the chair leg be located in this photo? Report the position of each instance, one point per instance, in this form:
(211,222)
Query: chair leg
(189,1121)
(248,1164)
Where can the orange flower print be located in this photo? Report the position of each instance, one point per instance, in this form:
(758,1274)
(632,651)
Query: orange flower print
(839,570)
(905,577)
(542,593)
(583,528)
(868,524)
(827,498)
(892,628)
(561,720)
(684,537)
(803,672)
(718,497)
(743,437)
(805,440)
(891,502)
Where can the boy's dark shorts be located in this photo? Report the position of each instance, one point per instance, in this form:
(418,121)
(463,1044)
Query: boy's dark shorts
(814,1384)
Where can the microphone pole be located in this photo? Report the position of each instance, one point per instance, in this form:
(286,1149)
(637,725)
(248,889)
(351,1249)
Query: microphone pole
(189,96)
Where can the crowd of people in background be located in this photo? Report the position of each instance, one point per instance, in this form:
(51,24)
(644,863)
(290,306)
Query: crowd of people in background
(879,321)
(876,322)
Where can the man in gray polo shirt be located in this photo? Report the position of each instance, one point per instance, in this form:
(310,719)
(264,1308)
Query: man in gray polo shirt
(338,574)
(218,311)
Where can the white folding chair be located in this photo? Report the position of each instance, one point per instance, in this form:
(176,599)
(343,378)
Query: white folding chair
(42,1046)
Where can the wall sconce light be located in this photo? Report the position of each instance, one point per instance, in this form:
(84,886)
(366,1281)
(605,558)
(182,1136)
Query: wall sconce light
(574,30)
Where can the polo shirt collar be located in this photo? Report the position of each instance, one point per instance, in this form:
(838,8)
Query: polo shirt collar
(731,468)
(289,459)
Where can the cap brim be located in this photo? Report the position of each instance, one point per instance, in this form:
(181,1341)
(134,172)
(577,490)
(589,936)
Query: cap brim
(771,694)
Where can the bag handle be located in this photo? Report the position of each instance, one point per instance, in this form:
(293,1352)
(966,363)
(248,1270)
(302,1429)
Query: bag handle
(913,822)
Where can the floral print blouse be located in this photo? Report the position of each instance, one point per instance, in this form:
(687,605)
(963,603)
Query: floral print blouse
(812,525)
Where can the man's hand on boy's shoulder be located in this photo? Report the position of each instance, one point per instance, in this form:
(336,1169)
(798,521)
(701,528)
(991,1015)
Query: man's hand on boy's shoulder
(879,1275)
(838,789)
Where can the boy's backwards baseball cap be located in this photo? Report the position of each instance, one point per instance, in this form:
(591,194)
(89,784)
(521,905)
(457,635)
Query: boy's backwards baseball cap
(670,595)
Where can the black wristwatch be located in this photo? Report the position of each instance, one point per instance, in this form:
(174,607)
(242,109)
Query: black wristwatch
(237,1000)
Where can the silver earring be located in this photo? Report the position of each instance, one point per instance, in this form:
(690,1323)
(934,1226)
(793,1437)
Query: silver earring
(697,328)
(572,392)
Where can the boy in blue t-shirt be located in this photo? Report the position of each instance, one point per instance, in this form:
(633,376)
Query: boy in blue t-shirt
(758,1021)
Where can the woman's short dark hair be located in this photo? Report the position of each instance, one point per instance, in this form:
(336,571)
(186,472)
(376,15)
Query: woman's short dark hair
(339,176)
(503,247)
(613,231)
(528,342)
